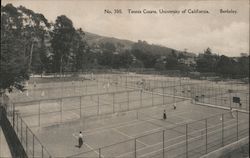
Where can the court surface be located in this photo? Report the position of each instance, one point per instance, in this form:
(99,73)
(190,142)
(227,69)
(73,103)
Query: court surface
(114,135)
(120,117)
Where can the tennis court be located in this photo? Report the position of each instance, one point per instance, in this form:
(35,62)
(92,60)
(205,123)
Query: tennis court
(140,132)
(122,117)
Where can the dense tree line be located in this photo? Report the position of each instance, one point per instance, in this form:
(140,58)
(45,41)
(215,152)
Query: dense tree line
(223,65)
(31,44)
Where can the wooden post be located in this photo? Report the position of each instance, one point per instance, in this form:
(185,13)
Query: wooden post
(163,143)
(113,102)
(186,140)
(80,106)
(206,133)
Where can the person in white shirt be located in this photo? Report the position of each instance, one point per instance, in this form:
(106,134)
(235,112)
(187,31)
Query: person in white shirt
(80,139)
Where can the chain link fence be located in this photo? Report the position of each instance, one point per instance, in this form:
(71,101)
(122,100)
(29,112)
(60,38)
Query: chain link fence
(192,139)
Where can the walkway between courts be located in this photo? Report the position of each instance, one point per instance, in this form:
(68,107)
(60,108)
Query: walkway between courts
(4,148)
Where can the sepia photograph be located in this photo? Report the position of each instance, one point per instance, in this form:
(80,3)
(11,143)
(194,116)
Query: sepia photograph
(124,79)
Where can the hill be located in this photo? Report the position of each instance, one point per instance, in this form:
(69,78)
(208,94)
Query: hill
(93,39)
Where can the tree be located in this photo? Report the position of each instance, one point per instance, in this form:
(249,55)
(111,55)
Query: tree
(34,29)
(79,51)
(207,61)
(244,66)
(13,65)
(62,37)
(148,59)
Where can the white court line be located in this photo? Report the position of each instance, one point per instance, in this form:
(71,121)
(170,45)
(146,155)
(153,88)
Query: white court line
(141,135)
(93,149)
(114,126)
(121,125)
(88,146)
(118,131)
(72,113)
(176,115)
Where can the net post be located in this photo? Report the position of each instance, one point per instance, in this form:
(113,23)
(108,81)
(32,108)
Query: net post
(186,140)
(222,129)
(237,121)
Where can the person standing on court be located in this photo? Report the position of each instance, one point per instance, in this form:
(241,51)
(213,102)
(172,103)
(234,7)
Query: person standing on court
(164,115)
(80,139)
(174,106)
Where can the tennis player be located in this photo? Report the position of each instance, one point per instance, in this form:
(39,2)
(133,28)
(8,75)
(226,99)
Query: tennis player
(80,139)
(174,106)
(164,115)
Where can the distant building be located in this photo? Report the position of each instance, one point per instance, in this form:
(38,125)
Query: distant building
(187,61)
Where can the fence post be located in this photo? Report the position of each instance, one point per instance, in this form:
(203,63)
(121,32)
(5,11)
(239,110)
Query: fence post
(99,151)
(42,151)
(26,141)
(33,146)
(152,97)
(222,129)
(128,99)
(86,88)
(17,123)
(80,106)
(140,98)
(126,80)
(98,105)
(39,113)
(163,90)
(135,148)
(186,140)
(206,133)
(13,115)
(61,110)
(113,102)
(237,121)
(163,143)
(21,131)
(230,99)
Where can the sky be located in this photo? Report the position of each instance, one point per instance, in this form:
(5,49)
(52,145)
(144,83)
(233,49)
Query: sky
(225,33)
